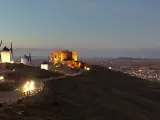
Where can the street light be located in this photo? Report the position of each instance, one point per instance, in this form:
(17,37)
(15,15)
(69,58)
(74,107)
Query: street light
(29,86)
(1,78)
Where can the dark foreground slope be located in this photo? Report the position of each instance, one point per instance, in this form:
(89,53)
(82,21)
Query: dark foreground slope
(96,95)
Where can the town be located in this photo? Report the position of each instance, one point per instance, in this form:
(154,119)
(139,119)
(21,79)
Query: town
(145,69)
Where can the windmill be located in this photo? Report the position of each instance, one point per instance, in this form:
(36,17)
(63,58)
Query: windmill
(11,49)
(1,43)
(6,54)
(0,47)
(48,58)
(30,60)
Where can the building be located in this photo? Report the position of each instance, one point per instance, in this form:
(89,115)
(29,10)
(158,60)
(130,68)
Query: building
(44,65)
(74,56)
(6,54)
(26,60)
(66,57)
(61,56)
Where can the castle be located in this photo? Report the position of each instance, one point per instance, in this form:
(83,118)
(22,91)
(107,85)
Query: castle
(69,58)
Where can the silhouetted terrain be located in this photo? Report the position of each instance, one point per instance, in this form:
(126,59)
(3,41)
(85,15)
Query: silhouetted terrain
(127,58)
(17,74)
(99,94)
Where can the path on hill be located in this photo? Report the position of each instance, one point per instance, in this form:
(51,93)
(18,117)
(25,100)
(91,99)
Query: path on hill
(6,95)
(60,77)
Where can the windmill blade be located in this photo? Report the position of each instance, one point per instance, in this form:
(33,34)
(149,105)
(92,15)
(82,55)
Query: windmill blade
(1,43)
(30,56)
(30,60)
(11,48)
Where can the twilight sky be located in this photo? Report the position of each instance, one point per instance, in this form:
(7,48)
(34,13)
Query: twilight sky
(77,24)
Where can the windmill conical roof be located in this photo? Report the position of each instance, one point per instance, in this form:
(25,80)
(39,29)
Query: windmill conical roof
(5,49)
(25,57)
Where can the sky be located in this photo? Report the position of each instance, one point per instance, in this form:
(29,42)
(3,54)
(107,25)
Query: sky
(81,24)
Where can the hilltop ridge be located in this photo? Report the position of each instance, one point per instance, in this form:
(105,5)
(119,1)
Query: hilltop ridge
(99,94)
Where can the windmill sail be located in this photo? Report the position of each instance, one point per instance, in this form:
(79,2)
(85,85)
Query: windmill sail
(11,49)
(0,55)
(30,60)
(1,43)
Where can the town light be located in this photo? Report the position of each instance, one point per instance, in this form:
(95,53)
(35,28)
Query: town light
(87,68)
(110,68)
(1,77)
(12,61)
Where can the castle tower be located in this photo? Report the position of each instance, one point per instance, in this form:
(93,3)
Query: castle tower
(74,55)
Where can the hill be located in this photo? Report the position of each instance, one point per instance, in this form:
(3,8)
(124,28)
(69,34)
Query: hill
(127,58)
(99,94)
(16,74)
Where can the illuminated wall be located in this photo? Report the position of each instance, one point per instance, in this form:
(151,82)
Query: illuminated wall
(54,58)
(24,61)
(51,57)
(63,55)
(74,56)
(79,64)
(66,57)
(70,63)
(5,57)
(44,66)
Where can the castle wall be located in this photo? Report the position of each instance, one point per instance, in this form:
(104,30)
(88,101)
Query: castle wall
(62,55)
(74,56)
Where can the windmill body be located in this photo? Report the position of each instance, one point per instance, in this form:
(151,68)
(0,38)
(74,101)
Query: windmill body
(26,59)
(6,54)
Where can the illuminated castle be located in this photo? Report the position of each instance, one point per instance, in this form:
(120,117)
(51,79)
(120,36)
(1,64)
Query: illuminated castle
(6,54)
(69,58)
(63,55)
